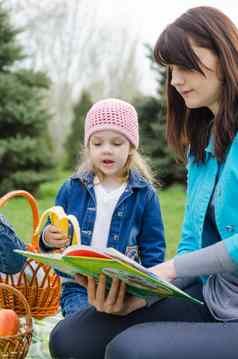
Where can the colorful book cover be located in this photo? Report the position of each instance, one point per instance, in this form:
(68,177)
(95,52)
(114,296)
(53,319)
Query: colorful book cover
(90,261)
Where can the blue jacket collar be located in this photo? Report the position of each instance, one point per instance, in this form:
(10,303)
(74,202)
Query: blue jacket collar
(210,147)
(210,150)
(135,179)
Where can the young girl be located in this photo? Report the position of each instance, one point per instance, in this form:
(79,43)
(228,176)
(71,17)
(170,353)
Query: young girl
(111,195)
(200,51)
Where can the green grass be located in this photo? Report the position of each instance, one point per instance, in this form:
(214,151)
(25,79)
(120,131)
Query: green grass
(172,203)
(18,211)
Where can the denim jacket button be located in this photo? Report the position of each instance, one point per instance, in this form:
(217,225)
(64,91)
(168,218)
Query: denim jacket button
(120,214)
(87,232)
(115,237)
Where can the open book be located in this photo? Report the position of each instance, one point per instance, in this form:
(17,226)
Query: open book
(87,260)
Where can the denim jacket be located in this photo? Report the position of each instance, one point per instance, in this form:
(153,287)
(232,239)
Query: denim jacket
(136,226)
(201,182)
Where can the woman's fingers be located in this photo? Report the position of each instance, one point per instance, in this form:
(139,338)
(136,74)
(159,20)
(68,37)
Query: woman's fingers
(92,287)
(113,292)
(112,296)
(112,301)
(119,304)
(101,293)
(165,270)
(82,280)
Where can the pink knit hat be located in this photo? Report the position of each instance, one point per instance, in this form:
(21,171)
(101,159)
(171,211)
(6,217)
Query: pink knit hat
(112,114)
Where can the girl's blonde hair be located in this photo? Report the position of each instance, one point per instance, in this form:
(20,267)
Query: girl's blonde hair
(135,161)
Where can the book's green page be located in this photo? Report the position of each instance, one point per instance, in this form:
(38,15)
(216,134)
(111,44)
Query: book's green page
(139,283)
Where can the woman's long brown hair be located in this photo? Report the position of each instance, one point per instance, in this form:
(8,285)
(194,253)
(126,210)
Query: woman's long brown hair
(211,29)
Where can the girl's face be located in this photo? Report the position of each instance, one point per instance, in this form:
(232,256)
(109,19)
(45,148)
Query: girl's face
(109,152)
(196,89)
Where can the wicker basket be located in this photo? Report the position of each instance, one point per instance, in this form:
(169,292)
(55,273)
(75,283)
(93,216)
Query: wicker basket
(37,282)
(16,346)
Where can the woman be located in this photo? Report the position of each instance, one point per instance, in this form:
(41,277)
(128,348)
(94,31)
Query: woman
(200,51)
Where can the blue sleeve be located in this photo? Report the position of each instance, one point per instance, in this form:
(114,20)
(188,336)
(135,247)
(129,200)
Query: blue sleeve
(151,238)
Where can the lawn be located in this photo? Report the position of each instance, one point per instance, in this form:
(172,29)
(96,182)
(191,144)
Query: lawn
(172,203)
(18,212)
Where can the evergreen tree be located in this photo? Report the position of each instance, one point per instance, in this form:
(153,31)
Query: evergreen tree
(152,118)
(75,139)
(24,141)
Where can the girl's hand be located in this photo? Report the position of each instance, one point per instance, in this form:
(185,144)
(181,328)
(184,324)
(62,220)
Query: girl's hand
(115,301)
(165,270)
(55,237)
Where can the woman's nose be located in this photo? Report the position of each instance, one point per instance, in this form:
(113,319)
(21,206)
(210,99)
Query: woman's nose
(177,77)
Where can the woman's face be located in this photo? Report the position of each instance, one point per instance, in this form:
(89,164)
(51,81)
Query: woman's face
(196,89)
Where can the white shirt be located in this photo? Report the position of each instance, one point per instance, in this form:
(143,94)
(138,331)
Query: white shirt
(106,202)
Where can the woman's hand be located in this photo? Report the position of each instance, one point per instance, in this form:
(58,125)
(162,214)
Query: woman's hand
(115,301)
(165,270)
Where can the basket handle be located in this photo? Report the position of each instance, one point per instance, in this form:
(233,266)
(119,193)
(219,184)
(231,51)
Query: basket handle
(22,298)
(34,207)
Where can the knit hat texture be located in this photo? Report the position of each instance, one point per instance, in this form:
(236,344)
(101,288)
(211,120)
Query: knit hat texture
(112,114)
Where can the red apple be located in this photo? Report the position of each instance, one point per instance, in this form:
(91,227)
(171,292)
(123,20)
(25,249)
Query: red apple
(9,322)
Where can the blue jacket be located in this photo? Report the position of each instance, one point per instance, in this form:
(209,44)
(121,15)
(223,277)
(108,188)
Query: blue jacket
(201,182)
(136,226)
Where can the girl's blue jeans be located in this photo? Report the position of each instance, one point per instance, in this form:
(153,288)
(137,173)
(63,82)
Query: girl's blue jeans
(73,298)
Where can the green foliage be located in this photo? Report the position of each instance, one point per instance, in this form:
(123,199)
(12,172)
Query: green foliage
(25,158)
(75,139)
(152,119)
(10,51)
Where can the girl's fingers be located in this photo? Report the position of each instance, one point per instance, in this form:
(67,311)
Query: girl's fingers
(53,229)
(58,243)
(58,237)
(55,237)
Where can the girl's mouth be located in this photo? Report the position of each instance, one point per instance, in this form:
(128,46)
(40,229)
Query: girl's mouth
(108,163)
